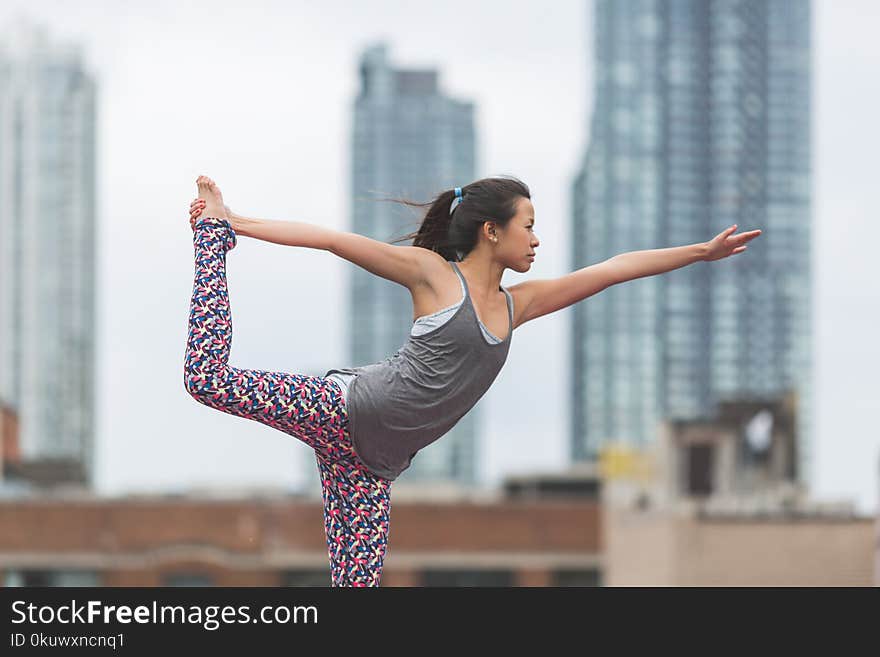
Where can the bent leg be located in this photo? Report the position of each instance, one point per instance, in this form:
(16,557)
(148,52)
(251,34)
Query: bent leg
(309,408)
(357,509)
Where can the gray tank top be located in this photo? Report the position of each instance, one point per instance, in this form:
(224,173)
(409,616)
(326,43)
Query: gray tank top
(420,326)
(409,400)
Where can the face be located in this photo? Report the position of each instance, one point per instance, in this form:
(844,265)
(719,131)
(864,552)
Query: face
(517,241)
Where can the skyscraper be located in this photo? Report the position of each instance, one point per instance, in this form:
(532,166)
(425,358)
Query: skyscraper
(701,121)
(47,246)
(409,140)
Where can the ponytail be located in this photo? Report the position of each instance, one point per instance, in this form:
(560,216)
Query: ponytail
(454,235)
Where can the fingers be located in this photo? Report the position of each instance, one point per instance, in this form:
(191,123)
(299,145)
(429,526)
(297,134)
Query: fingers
(724,234)
(195,210)
(742,238)
(748,237)
(751,233)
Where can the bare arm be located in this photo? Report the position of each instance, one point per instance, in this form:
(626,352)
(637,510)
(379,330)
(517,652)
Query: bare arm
(540,297)
(286,233)
(638,264)
(402,264)
(536,298)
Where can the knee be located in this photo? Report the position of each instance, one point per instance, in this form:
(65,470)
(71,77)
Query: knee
(194,386)
(201,384)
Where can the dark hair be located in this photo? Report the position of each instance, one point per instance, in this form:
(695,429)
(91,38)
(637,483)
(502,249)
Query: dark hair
(454,236)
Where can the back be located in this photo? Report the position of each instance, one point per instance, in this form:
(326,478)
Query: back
(411,399)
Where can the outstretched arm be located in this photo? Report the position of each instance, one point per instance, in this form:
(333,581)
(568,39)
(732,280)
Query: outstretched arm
(540,297)
(404,265)
(286,233)
(637,264)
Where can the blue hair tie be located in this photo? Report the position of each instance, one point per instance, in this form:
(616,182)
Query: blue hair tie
(457,200)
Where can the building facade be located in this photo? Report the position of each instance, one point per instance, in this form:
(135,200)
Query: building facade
(738,548)
(716,503)
(47,247)
(499,540)
(701,121)
(409,140)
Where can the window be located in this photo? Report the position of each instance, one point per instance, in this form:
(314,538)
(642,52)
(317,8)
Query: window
(467,578)
(573,577)
(699,470)
(38,577)
(306,577)
(187,579)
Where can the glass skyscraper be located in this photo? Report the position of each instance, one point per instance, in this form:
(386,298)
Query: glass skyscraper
(47,246)
(701,121)
(412,141)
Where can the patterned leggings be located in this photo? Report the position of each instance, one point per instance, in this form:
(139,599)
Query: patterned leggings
(357,503)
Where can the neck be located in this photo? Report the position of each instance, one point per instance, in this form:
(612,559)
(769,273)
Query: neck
(483,274)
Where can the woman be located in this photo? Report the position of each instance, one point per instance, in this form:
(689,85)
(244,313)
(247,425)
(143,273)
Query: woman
(367,423)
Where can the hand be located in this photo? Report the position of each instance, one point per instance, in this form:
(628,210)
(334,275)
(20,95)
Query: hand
(726,243)
(195,210)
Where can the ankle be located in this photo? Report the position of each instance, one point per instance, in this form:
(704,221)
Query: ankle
(223,226)
(211,220)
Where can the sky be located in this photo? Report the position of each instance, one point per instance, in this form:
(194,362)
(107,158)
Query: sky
(259,97)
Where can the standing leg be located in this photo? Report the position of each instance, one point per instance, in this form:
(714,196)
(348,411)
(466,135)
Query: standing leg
(357,509)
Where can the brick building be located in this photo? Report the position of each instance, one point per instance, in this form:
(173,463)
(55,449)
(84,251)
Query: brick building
(526,536)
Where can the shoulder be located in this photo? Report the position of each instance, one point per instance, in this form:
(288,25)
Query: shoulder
(436,270)
(521,294)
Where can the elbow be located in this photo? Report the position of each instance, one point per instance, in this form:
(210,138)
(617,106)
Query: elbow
(614,271)
(331,242)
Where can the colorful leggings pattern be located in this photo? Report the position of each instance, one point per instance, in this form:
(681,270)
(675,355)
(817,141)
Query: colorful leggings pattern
(357,502)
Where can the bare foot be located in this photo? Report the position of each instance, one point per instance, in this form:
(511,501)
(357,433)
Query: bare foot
(210,194)
(198,206)
(212,200)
